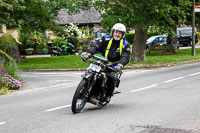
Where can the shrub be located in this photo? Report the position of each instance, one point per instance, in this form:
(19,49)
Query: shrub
(39,39)
(9,45)
(32,39)
(3,89)
(8,38)
(10,66)
(70,34)
(153,33)
(10,82)
(26,41)
(58,42)
(130,37)
(198,35)
(7,82)
(8,73)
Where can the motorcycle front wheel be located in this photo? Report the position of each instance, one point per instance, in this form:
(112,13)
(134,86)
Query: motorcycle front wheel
(80,99)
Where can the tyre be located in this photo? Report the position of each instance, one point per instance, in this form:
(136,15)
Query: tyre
(80,99)
(190,44)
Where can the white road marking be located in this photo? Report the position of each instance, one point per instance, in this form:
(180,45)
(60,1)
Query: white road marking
(194,74)
(148,87)
(24,91)
(42,88)
(56,75)
(79,73)
(50,73)
(126,73)
(134,72)
(1,123)
(171,80)
(61,107)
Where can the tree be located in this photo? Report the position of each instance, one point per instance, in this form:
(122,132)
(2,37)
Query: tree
(36,14)
(188,19)
(7,8)
(41,14)
(142,16)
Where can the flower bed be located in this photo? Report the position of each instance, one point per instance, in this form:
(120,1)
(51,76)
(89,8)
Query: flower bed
(7,82)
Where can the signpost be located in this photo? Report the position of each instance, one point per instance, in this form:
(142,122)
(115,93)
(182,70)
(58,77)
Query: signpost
(193,27)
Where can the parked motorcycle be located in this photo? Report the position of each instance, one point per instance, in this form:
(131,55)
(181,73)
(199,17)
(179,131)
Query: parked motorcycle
(93,86)
(63,50)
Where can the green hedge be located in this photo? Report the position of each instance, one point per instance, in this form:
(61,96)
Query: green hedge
(130,36)
(7,38)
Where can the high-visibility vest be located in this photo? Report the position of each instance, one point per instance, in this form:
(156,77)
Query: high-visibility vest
(108,48)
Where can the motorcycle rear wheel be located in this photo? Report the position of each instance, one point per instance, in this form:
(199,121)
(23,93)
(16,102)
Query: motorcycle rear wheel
(80,99)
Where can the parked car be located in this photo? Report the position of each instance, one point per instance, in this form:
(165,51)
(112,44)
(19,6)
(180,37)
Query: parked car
(184,36)
(158,40)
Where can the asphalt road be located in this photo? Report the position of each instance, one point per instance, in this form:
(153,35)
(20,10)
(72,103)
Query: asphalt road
(165,100)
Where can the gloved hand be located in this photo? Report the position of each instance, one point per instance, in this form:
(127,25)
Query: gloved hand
(119,67)
(86,56)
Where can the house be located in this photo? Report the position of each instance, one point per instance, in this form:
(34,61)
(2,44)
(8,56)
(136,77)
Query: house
(89,17)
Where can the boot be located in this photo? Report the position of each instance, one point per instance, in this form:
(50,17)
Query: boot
(109,94)
(108,98)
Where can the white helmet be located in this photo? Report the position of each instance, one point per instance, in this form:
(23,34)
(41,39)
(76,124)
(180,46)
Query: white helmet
(119,27)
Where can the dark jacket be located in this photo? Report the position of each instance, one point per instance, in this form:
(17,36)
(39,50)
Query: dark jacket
(114,52)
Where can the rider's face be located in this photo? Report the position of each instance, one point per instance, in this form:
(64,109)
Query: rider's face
(117,35)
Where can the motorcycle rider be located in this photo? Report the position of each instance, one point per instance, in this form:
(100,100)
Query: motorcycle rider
(116,49)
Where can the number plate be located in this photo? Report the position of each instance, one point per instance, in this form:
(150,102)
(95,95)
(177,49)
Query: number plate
(94,67)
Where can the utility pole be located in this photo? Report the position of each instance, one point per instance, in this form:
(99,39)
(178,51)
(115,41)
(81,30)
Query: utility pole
(193,29)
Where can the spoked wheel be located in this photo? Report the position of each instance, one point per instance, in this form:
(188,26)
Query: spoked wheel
(80,99)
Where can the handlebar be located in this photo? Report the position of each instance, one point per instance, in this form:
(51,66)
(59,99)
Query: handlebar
(111,68)
(102,65)
(95,62)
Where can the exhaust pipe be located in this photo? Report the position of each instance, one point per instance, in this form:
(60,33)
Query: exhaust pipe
(95,101)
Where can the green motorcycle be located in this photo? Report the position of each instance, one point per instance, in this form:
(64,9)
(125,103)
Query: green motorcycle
(63,50)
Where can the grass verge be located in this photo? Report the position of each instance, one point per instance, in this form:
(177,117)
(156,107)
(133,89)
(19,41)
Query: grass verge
(156,59)
(57,62)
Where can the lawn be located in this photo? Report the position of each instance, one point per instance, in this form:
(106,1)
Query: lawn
(56,62)
(156,58)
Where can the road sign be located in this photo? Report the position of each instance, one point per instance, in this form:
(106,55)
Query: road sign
(197,8)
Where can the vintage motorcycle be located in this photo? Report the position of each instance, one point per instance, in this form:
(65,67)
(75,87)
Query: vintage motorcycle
(93,85)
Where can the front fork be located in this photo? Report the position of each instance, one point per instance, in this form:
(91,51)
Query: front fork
(91,78)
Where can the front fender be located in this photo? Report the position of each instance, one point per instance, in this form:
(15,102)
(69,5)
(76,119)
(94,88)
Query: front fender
(87,75)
